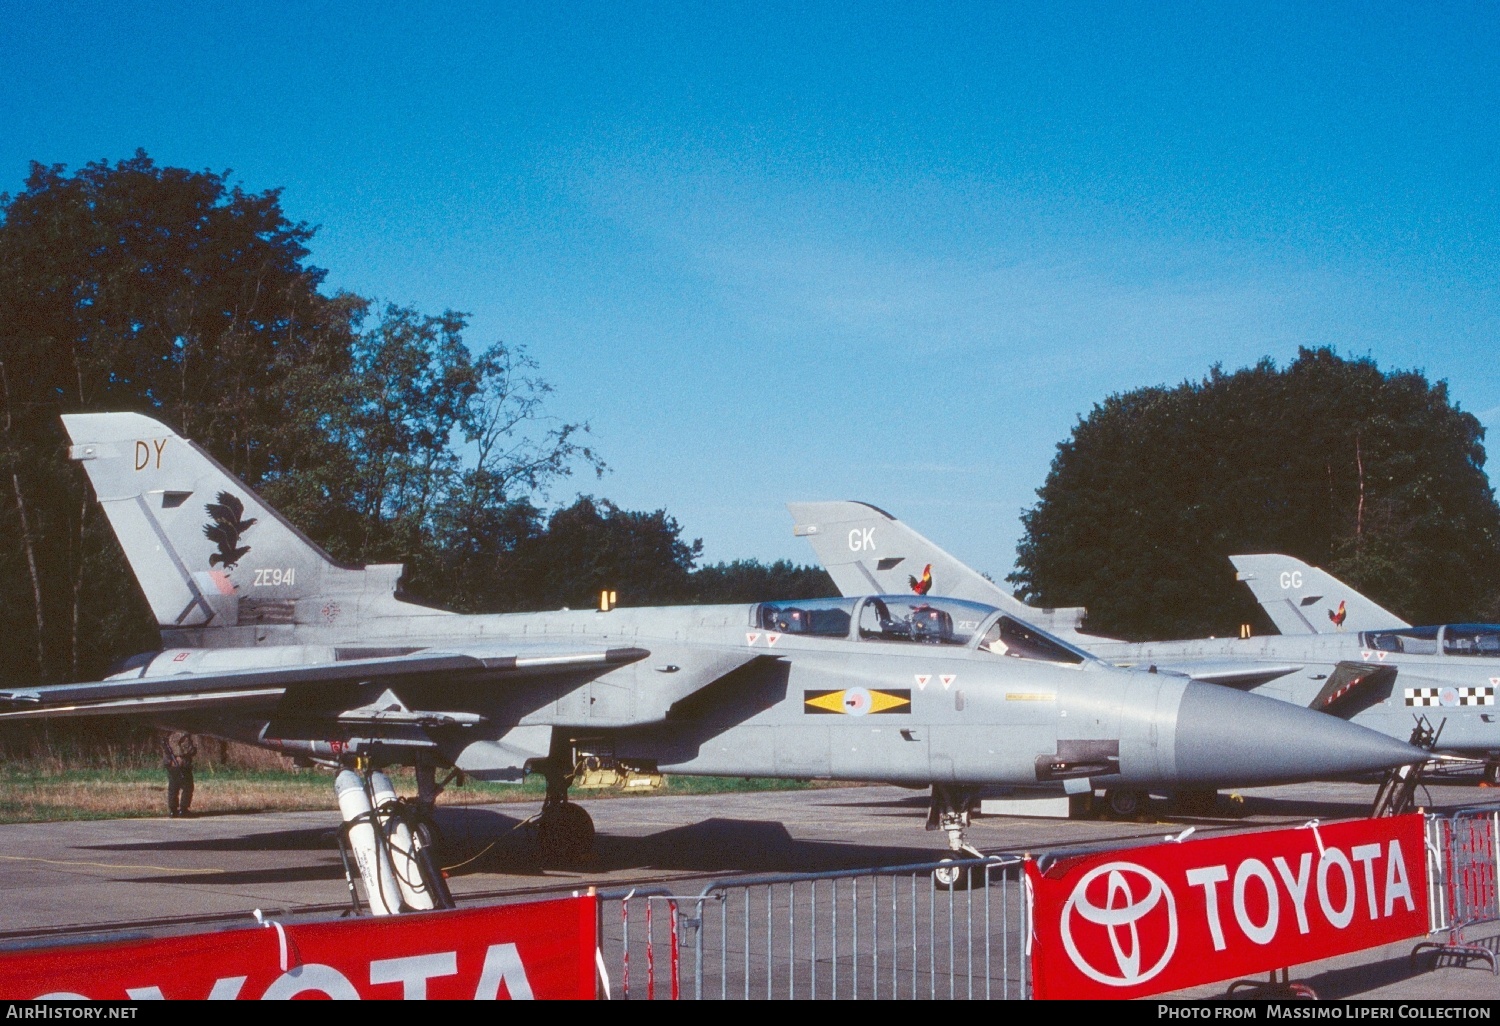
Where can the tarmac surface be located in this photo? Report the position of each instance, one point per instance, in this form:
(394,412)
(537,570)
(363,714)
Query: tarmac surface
(62,881)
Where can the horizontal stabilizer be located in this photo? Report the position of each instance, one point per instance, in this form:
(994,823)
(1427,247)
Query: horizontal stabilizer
(1354,687)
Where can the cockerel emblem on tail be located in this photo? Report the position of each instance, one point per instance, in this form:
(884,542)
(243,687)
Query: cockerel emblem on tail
(1338,615)
(923,586)
(226,524)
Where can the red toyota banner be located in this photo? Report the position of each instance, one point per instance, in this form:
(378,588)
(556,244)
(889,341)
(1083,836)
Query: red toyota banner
(1145,921)
(536,950)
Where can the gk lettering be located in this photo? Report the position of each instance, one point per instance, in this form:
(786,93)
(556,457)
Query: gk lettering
(862,538)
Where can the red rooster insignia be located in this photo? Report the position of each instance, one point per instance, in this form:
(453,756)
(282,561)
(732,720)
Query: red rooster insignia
(923,586)
(1338,615)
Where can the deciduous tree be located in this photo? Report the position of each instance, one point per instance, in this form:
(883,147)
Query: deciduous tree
(1375,476)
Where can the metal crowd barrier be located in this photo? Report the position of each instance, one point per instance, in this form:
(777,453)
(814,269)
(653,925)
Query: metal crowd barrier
(1463,858)
(894,932)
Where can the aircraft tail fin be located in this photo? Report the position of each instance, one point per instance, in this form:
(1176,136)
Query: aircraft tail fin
(867,551)
(1302,599)
(207,551)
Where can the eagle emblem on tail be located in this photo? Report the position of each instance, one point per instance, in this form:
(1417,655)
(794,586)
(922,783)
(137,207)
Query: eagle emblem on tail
(226,523)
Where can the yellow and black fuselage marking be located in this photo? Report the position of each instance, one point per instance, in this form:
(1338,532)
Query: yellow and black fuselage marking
(857,701)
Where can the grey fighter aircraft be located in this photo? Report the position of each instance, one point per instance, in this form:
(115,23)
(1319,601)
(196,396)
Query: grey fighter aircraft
(268,640)
(1377,671)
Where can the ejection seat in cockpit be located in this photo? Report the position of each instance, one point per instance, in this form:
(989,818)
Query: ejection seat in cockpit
(931,625)
(791,620)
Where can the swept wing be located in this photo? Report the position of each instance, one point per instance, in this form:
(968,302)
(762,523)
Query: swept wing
(264,687)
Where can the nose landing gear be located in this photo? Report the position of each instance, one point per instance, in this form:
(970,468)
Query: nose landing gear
(949,812)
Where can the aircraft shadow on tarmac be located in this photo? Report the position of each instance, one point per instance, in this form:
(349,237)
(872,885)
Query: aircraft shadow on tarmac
(716,845)
(478,840)
(308,839)
(1259,805)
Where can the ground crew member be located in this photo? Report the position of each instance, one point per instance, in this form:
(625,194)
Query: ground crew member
(177,752)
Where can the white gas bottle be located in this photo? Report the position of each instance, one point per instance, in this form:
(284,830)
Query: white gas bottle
(381,889)
(402,846)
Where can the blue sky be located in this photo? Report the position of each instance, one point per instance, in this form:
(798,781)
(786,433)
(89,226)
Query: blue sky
(798,251)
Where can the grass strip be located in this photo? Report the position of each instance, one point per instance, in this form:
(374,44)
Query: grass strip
(30,795)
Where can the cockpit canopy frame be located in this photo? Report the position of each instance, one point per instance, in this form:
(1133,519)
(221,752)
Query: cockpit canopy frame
(915,619)
(1453,639)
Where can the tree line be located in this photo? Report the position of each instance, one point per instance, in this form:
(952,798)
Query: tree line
(376,428)
(1376,476)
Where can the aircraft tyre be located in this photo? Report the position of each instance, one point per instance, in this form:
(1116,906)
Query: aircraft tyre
(565,834)
(1124,804)
(951,878)
(1491,775)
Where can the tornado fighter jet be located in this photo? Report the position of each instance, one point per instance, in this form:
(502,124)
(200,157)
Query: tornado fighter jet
(1371,668)
(267,640)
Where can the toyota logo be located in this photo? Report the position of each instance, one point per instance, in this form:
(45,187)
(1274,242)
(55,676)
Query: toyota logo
(1131,911)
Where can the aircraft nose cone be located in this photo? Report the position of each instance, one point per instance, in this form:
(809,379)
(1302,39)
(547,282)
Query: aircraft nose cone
(1230,738)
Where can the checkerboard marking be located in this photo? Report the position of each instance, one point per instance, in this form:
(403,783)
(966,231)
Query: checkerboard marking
(1465,695)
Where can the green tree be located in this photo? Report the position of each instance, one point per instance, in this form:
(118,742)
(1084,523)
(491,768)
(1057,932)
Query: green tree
(439,442)
(749,580)
(130,286)
(137,287)
(594,545)
(1373,475)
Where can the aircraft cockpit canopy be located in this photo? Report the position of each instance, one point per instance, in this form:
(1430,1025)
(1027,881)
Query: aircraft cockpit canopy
(930,621)
(1455,639)
(915,619)
(1472,639)
(1409,640)
(1019,640)
(826,617)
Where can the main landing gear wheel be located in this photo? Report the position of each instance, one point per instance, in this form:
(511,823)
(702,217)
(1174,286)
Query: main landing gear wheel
(1491,775)
(1125,804)
(565,834)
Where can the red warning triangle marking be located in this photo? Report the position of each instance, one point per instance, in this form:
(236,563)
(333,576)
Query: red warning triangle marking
(1365,655)
(947,680)
(771,639)
(922,679)
(1380,655)
(751,637)
(1495,681)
